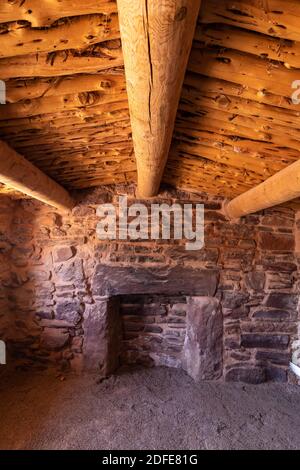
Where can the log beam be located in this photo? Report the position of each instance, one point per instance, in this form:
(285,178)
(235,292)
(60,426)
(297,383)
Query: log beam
(156,40)
(18,173)
(281,187)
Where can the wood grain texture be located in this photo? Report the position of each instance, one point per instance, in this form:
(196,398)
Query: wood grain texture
(19,39)
(67,108)
(156,41)
(279,18)
(260,45)
(236,124)
(44,13)
(246,70)
(281,187)
(92,59)
(20,90)
(19,174)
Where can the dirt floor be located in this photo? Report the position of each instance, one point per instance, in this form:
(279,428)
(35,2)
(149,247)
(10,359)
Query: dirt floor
(146,409)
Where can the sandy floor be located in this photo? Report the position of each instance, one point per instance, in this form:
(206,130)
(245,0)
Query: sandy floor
(146,409)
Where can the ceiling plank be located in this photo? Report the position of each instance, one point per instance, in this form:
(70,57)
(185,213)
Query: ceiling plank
(52,10)
(243,69)
(156,40)
(92,59)
(76,33)
(215,85)
(273,17)
(59,103)
(18,173)
(267,47)
(18,90)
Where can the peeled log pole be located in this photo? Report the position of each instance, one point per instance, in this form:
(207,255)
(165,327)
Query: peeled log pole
(18,173)
(156,40)
(281,187)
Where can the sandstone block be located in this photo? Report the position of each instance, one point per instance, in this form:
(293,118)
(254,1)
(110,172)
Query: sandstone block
(282,300)
(63,253)
(276,374)
(255,280)
(54,339)
(69,311)
(275,357)
(102,337)
(253,375)
(234,299)
(118,280)
(276,242)
(267,341)
(202,352)
(272,314)
(70,271)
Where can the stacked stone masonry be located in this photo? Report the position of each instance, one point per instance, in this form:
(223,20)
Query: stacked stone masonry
(154,329)
(53,269)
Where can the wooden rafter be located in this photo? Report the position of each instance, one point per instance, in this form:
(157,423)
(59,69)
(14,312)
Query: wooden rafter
(281,187)
(156,41)
(19,174)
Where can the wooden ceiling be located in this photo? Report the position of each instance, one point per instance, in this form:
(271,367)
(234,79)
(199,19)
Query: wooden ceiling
(236,123)
(67,108)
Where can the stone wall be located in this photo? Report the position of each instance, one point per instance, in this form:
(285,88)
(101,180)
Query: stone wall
(54,260)
(296,340)
(154,329)
(6,214)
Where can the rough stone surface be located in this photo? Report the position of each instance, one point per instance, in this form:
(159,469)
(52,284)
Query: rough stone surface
(271,314)
(70,271)
(111,280)
(255,375)
(69,311)
(265,341)
(53,268)
(102,337)
(276,374)
(276,242)
(233,300)
(255,280)
(154,329)
(54,338)
(282,300)
(274,357)
(202,352)
(64,253)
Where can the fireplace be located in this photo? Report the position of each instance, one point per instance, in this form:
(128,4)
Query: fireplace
(154,317)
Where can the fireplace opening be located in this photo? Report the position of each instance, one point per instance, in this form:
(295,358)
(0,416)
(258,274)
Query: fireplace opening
(153,329)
